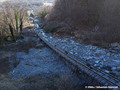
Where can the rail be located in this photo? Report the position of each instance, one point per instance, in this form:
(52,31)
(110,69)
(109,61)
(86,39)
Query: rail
(104,78)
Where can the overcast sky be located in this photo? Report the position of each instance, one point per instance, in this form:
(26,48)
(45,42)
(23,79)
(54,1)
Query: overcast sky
(32,0)
(2,0)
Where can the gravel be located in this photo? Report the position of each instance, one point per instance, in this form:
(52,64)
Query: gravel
(93,55)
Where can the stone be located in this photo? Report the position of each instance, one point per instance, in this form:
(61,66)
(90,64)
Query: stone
(95,64)
(114,44)
(114,68)
(98,52)
(101,65)
(118,68)
(107,71)
(40,46)
(96,61)
(108,54)
(118,73)
(96,28)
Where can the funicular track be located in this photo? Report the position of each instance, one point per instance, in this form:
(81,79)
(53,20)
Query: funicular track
(102,77)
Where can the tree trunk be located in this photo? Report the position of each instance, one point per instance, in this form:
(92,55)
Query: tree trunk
(11,30)
(21,25)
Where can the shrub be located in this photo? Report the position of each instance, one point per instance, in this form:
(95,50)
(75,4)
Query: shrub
(51,27)
(42,14)
(1,38)
(19,37)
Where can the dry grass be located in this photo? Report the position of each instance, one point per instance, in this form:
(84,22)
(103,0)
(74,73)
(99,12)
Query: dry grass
(39,82)
(6,83)
(2,37)
(25,46)
(4,65)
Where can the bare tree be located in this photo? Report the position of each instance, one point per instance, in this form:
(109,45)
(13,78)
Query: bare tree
(22,15)
(8,17)
(12,17)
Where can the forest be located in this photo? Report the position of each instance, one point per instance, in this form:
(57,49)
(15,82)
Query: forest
(98,20)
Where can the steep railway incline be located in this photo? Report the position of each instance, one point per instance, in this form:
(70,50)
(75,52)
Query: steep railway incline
(39,59)
(106,79)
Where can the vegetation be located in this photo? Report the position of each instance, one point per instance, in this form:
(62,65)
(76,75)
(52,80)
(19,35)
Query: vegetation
(98,20)
(11,19)
(43,13)
(51,27)
(40,82)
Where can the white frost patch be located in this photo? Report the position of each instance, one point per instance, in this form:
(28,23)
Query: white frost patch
(39,61)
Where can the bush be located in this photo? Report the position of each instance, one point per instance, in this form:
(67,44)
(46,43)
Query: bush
(42,14)
(2,37)
(10,39)
(19,37)
(51,27)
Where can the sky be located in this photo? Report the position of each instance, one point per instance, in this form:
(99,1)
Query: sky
(33,0)
(2,0)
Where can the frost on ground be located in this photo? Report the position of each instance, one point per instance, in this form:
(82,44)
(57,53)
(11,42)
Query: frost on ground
(44,67)
(39,61)
(105,59)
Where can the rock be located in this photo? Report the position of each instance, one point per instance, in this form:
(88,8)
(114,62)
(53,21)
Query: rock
(19,41)
(96,28)
(116,73)
(40,46)
(117,61)
(95,64)
(118,68)
(107,71)
(89,57)
(96,61)
(98,52)
(115,46)
(101,65)
(114,68)
(108,54)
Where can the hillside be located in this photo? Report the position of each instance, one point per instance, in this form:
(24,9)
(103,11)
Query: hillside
(32,0)
(95,20)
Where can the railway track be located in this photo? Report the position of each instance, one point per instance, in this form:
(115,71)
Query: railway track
(102,77)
